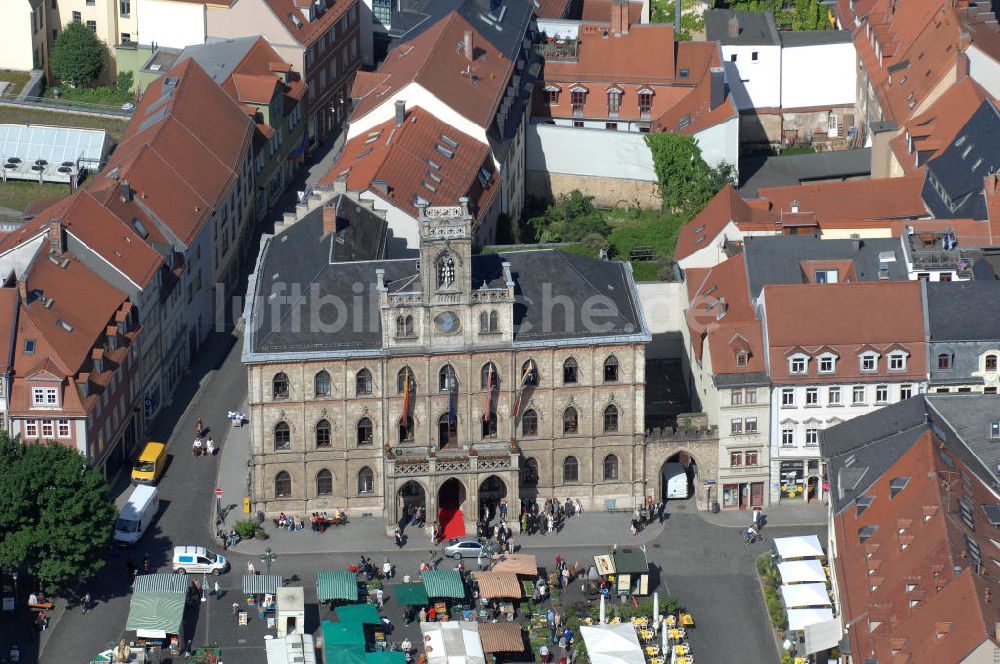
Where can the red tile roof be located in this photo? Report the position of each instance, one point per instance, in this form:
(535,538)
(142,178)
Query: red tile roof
(400,156)
(883,198)
(727,206)
(433,61)
(600,10)
(845,316)
(254,88)
(552,8)
(306,32)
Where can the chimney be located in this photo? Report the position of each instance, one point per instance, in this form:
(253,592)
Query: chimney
(619,17)
(57,237)
(962,68)
(111,332)
(856,244)
(734,26)
(22,290)
(126,192)
(400,112)
(468,47)
(717,92)
(83,382)
(97,357)
(329,219)
(964,40)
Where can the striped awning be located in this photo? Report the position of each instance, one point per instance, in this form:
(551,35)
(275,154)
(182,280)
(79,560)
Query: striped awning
(161,583)
(498,584)
(261,584)
(501,637)
(337,585)
(443,583)
(156,612)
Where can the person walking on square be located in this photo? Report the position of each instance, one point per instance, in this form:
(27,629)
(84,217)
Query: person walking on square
(217,590)
(756,518)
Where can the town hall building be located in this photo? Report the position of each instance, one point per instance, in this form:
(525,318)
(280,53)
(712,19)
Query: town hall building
(439,378)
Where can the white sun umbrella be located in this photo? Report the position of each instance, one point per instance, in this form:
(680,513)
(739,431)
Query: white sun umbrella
(663,638)
(656,608)
(602,608)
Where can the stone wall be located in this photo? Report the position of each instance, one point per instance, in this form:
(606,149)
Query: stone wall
(606,191)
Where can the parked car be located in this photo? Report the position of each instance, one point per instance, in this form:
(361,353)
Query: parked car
(464,547)
(198,560)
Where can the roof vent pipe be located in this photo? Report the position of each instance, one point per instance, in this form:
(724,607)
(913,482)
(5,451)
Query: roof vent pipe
(400,112)
(734,26)
(468,46)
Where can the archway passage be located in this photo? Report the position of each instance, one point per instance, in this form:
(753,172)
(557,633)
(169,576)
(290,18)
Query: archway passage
(451,497)
(491,492)
(412,502)
(678,476)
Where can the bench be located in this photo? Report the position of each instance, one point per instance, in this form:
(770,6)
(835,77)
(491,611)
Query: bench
(41,606)
(641,254)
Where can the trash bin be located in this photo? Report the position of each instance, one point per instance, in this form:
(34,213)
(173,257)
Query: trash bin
(715,507)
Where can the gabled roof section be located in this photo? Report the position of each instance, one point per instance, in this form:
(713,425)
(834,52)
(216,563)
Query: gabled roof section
(962,310)
(502,22)
(294,16)
(880,198)
(726,206)
(644,55)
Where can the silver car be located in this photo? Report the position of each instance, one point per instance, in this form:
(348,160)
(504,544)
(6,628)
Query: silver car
(464,547)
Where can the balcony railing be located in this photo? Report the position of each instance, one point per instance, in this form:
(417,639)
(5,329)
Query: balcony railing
(559,49)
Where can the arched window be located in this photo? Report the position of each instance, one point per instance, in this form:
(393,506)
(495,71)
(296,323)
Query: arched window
(447,378)
(279,386)
(324,483)
(282,436)
(489,322)
(446,271)
(610,419)
(489,377)
(571,469)
(991,362)
(321,384)
(406,430)
(366,480)
(610,467)
(282,485)
(447,431)
(529,472)
(490,426)
(569,420)
(404,326)
(365,433)
(944,361)
(529,423)
(569,371)
(529,374)
(363,382)
(611,369)
(323,437)
(401,378)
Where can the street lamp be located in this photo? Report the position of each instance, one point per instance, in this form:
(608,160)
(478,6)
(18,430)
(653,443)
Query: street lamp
(267,558)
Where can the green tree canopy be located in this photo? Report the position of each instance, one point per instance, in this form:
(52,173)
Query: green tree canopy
(570,219)
(686,181)
(78,56)
(56,517)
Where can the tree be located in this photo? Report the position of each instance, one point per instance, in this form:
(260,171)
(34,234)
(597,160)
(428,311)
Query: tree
(78,57)
(570,219)
(56,517)
(686,182)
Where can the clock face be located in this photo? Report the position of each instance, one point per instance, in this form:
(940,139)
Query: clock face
(447,323)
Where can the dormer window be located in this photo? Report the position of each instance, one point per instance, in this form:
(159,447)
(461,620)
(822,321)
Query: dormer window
(897,361)
(797,363)
(614,101)
(869,361)
(827,363)
(742,358)
(645,102)
(991,362)
(552,95)
(45,397)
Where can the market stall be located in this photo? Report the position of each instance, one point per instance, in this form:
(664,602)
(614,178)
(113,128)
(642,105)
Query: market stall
(455,642)
(411,595)
(292,649)
(365,614)
(501,637)
(626,570)
(291,611)
(496,586)
(797,548)
(337,586)
(802,571)
(343,643)
(260,590)
(156,611)
(443,586)
(802,618)
(525,566)
(612,644)
(802,595)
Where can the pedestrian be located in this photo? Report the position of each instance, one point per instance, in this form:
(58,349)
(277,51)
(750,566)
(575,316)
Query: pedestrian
(550,618)
(479,561)
(217,590)
(565,576)
(236,609)
(423,614)
(387,569)
(432,614)
(147,567)
(757,514)
(198,428)
(635,530)
(86,603)
(250,569)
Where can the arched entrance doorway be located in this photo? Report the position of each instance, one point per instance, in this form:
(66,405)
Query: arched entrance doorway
(451,497)
(678,477)
(491,492)
(412,502)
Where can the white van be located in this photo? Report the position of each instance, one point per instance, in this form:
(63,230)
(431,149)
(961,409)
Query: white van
(136,515)
(675,481)
(198,560)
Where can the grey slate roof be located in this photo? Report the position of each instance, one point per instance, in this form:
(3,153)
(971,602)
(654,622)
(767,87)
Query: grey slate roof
(963,310)
(968,416)
(741,379)
(759,172)
(755,28)
(776,259)
(987,267)
(960,169)
(793,38)
(219,58)
(411,17)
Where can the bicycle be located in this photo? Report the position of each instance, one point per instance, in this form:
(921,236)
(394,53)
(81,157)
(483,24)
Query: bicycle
(751,537)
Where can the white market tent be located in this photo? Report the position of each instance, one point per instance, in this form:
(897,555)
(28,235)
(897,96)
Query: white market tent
(802,571)
(292,649)
(612,644)
(802,618)
(798,547)
(805,594)
(453,642)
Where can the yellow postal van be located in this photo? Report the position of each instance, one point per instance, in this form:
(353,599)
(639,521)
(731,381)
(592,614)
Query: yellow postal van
(149,466)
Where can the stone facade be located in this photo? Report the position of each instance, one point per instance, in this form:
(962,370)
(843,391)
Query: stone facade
(549,186)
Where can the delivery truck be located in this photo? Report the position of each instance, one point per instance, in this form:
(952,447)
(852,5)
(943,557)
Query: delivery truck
(675,481)
(136,515)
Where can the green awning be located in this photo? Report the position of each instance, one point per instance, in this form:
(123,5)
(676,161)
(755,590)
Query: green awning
(337,585)
(344,635)
(261,584)
(443,583)
(160,583)
(359,613)
(386,658)
(630,561)
(156,612)
(410,594)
